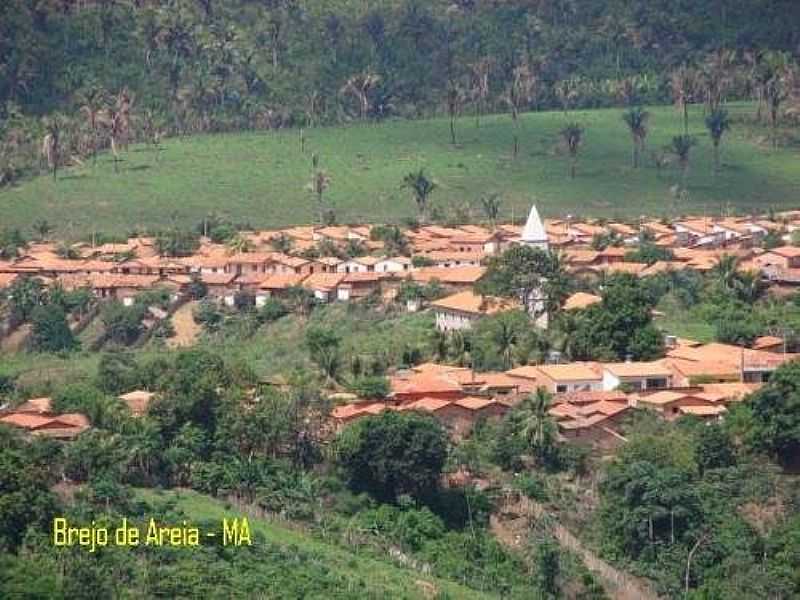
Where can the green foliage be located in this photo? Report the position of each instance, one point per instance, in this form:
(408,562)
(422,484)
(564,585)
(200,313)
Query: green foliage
(25,497)
(649,254)
(370,386)
(393,454)
(50,331)
(776,414)
(24,295)
(123,324)
(618,327)
(526,273)
(323,346)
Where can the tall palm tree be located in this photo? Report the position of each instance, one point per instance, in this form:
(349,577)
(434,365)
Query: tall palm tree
(518,95)
(479,85)
(455,101)
(51,144)
(421,187)
(491,207)
(320,182)
(717,123)
(538,427)
(726,270)
(506,337)
(93,102)
(636,119)
(681,147)
(42,228)
(682,83)
(359,87)
(572,135)
(239,244)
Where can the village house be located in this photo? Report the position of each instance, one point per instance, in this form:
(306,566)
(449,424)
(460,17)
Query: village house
(276,286)
(637,376)
(673,404)
(462,309)
(572,377)
(138,402)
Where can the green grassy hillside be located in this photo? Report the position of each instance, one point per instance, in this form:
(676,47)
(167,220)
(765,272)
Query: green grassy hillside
(260,178)
(327,570)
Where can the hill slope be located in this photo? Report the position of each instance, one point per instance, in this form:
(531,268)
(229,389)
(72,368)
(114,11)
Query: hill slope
(261,178)
(327,570)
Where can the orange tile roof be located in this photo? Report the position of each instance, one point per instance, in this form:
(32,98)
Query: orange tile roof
(588,397)
(26,421)
(702,411)
(580,300)
(281,281)
(427,404)
(526,372)
(38,406)
(467,274)
(767,341)
(424,383)
(572,372)
(473,403)
(474,304)
(638,369)
(137,401)
(323,281)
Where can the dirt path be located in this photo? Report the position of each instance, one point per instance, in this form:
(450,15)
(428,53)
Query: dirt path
(186,330)
(511,527)
(14,342)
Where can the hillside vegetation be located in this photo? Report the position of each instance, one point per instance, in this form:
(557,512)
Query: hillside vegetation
(261,178)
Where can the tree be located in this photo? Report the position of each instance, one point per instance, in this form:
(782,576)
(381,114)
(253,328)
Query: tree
(42,228)
(479,85)
(323,346)
(538,428)
(320,182)
(52,143)
(636,119)
(491,204)
(239,244)
(534,277)
(519,94)
(682,84)
(93,101)
(50,331)
(455,102)
(681,147)
(572,135)
(617,328)
(776,414)
(360,86)
(548,567)
(421,188)
(24,295)
(393,454)
(717,123)
(714,448)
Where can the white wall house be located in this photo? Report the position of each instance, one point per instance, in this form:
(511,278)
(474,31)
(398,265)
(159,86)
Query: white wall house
(638,375)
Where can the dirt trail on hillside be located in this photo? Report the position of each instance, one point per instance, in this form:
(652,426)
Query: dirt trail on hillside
(511,527)
(186,330)
(15,341)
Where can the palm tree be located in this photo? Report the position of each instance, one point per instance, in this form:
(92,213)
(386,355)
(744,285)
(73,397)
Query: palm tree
(636,119)
(506,338)
(320,182)
(42,228)
(479,89)
(239,244)
(359,86)
(51,144)
(538,427)
(421,187)
(681,147)
(725,271)
(682,83)
(518,95)
(455,101)
(572,135)
(717,123)
(92,103)
(491,207)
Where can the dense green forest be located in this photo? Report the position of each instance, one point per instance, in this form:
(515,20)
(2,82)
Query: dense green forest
(107,72)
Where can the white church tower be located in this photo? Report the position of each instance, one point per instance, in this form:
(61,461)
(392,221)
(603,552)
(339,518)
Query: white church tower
(534,234)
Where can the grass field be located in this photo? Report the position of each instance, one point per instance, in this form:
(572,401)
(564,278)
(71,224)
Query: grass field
(356,576)
(260,178)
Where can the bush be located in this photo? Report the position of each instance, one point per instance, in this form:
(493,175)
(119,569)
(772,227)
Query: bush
(272,310)
(50,330)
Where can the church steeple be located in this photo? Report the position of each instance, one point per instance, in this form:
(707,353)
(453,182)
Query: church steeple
(534,234)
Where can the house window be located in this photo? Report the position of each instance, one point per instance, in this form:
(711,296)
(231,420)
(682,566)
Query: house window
(561,389)
(656,383)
